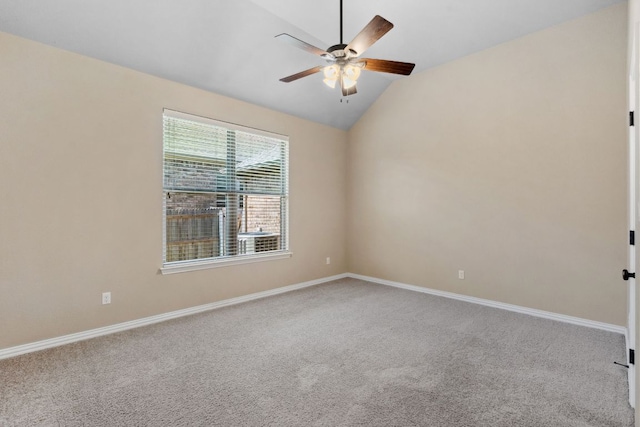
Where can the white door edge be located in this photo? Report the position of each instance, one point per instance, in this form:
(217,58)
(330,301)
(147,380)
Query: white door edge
(634,65)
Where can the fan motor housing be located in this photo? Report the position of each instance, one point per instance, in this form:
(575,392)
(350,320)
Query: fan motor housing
(338,51)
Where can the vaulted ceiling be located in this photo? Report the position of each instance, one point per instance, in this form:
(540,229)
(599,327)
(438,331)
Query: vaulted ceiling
(228,46)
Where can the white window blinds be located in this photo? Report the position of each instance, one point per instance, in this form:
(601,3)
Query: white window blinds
(225,190)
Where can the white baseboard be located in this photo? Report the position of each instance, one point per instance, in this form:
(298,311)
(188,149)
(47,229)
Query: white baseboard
(93,333)
(119,327)
(510,307)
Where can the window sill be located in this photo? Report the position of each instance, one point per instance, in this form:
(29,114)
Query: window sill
(184,266)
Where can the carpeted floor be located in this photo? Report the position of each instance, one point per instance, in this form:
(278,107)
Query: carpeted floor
(344,353)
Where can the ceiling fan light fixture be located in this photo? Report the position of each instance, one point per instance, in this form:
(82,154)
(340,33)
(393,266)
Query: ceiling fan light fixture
(331,74)
(330,83)
(352,72)
(348,74)
(347,83)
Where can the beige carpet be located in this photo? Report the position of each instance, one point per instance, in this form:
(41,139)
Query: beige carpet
(347,353)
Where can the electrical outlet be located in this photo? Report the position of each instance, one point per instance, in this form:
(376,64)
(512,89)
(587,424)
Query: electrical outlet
(460,274)
(328,260)
(106,298)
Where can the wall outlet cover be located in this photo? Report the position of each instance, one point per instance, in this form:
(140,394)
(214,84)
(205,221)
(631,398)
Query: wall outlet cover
(106,298)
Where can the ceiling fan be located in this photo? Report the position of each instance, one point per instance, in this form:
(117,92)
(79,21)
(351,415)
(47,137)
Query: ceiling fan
(344,60)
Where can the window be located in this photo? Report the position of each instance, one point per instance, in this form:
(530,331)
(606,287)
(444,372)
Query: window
(225,193)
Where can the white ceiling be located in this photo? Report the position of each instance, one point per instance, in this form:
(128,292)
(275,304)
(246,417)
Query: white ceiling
(228,46)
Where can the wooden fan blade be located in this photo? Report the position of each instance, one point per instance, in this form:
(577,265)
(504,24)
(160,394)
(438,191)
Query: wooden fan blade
(374,30)
(301,74)
(384,66)
(287,38)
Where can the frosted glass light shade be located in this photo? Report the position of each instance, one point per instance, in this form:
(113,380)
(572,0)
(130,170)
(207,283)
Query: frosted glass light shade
(330,83)
(352,72)
(331,74)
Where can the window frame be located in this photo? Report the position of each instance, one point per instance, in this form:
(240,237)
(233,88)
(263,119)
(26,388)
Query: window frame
(225,261)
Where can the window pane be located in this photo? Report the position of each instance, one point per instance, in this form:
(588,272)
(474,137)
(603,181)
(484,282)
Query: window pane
(261,224)
(260,163)
(192,226)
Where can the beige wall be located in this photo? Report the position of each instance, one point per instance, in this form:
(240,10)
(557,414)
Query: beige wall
(81,200)
(509,164)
